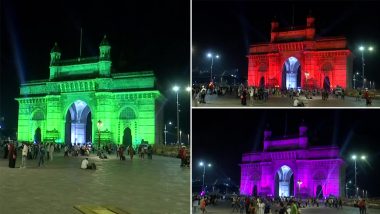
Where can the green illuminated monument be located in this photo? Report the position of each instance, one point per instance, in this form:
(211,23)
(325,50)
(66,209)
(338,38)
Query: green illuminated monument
(83,102)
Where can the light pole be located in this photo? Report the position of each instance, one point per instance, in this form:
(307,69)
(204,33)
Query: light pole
(299,182)
(180,136)
(176,89)
(354,158)
(357,190)
(211,56)
(100,125)
(204,172)
(362,49)
(165,132)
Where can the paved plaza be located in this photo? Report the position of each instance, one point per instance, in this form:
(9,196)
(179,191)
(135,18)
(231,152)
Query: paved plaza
(278,101)
(139,186)
(225,208)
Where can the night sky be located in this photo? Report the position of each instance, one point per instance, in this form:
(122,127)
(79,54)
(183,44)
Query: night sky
(221,136)
(143,36)
(230,27)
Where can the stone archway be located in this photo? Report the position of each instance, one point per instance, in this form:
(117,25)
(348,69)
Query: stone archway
(262,82)
(319,192)
(255,190)
(37,135)
(127,118)
(78,125)
(127,137)
(326,83)
(291,73)
(284,182)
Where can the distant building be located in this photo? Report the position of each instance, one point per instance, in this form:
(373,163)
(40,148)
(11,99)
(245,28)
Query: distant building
(82,101)
(289,167)
(295,58)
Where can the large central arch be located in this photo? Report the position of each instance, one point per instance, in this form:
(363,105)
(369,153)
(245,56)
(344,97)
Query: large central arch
(78,123)
(291,73)
(284,181)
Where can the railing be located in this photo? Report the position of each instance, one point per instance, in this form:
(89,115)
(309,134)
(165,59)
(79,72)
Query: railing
(77,61)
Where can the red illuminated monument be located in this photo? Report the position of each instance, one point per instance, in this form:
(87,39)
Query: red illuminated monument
(296,58)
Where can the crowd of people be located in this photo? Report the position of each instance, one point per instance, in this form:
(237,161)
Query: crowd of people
(264,205)
(263,94)
(45,151)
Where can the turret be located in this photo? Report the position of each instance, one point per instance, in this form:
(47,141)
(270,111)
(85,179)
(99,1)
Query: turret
(310,29)
(302,130)
(104,58)
(267,133)
(55,54)
(274,29)
(105,49)
(55,57)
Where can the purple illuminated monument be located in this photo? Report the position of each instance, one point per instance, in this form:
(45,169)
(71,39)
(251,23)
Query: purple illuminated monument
(289,167)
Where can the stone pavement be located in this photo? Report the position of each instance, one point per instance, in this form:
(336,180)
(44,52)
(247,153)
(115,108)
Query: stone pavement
(277,101)
(225,208)
(139,186)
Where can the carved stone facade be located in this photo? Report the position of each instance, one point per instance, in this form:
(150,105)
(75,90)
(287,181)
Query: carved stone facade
(284,162)
(320,63)
(78,87)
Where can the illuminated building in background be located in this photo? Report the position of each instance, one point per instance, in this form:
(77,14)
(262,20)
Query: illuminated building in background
(295,58)
(80,92)
(289,167)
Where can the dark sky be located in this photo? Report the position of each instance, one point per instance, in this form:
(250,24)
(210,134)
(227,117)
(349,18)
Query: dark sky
(221,136)
(151,35)
(229,27)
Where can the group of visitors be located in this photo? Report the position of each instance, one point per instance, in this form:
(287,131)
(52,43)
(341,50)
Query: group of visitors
(362,205)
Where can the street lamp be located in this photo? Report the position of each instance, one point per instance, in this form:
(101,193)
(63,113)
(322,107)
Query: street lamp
(176,89)
(180,136)
(354,157)
(212,56)
(100,125)
(204,172)
(362,49)
(165,132)
(299,182)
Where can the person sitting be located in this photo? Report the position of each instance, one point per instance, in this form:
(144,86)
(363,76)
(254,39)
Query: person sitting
(86,165)
(102,155)
(298,103)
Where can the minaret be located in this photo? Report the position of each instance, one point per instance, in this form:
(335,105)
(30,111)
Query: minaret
(267,136)
(104,58)
(274,30)
(303,139)
(55,56)
(302,129)
(310,29)
(267,133)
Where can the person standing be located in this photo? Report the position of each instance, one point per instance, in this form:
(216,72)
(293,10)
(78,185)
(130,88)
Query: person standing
(12,155)
(251,93)
(131,151)
(6,150)
(293,208)
(51,151)
(66,150)
(41,155)
(25,150)
(202,205)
